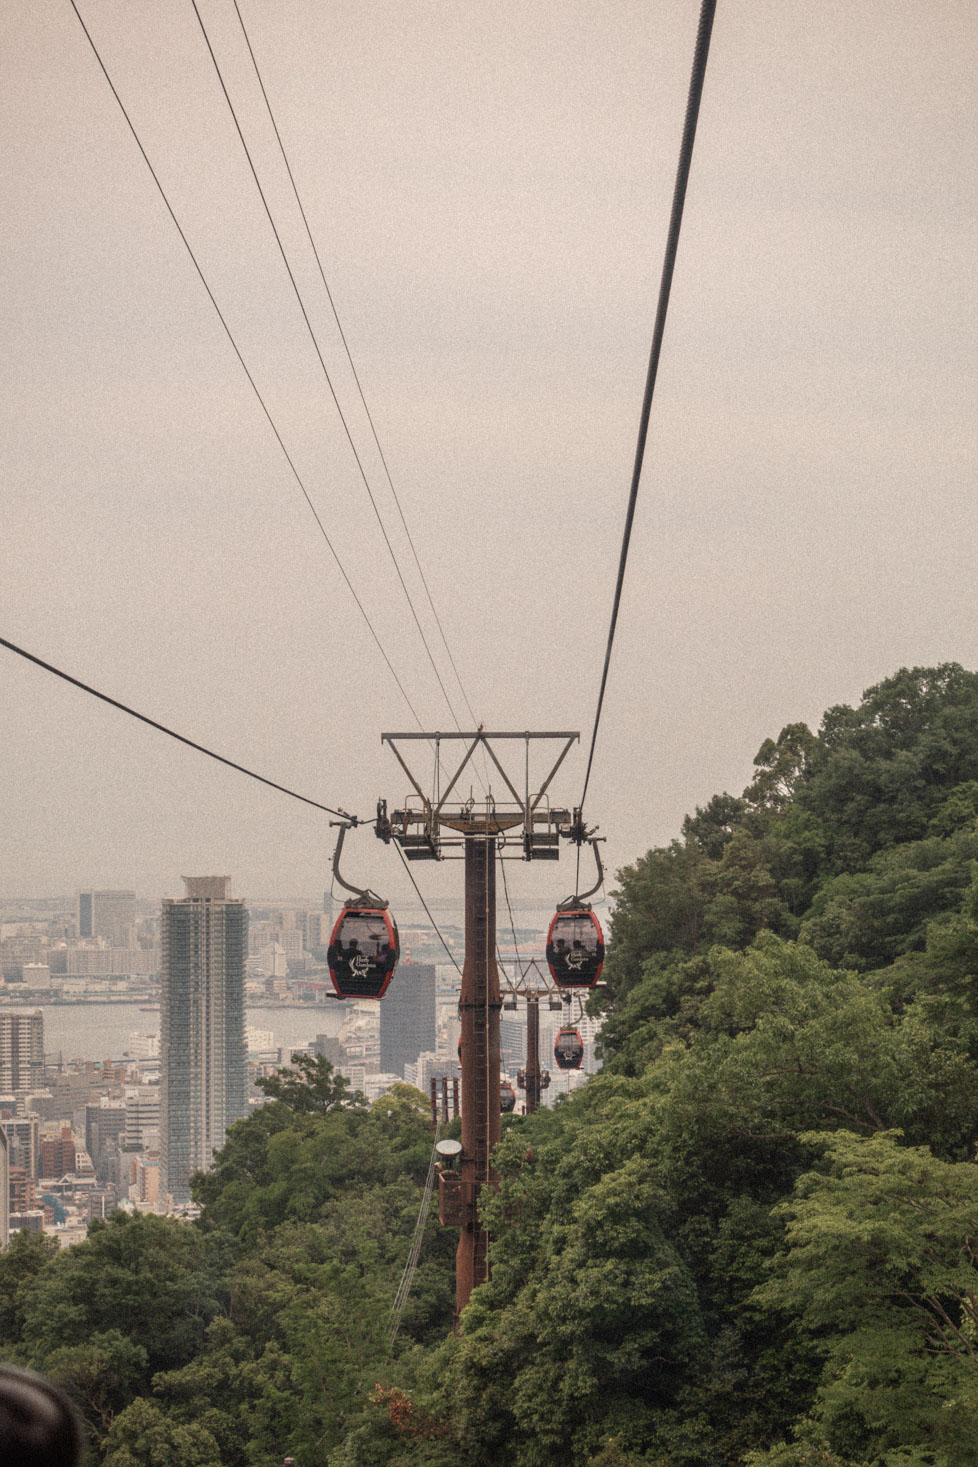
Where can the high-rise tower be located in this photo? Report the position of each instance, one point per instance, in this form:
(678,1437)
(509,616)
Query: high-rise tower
(407,1017)
(203,1073)
(21,1051)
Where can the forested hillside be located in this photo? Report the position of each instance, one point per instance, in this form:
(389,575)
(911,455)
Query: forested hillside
(753,1239)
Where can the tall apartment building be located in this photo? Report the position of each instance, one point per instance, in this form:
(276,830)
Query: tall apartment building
(407,1017)
(24,1143)
(21,1052)
(108,914)
(203,1057)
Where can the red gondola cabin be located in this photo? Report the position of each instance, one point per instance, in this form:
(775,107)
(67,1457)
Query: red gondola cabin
(569,1050)
(507,1097)
(575,948)
(363,952)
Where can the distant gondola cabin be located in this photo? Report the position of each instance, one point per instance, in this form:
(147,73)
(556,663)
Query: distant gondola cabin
(575,948)
(507,1097)
(569,1050)
(363,952)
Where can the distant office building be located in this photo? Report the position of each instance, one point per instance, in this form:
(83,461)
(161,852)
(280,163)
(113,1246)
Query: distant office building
(21,1052)
(374,1086)
(316,928)
(407,1017)
(291,941)
(203,1059)
(57,1153)
(433,1067)
(105,1128)
(512,1042)
(28,1219)
(111,962)
(328,1046)
(143,1046)
(100,1202)
(145,1187)
(35,976)
(108,914)
(143,1125)
(16,951)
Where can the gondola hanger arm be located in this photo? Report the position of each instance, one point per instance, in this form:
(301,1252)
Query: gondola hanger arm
(579,899)
(365,897)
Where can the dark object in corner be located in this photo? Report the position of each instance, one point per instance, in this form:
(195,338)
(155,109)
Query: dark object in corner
(38,1424)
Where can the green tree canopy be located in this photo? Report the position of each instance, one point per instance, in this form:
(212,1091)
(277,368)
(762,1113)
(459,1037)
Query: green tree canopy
(310,1087)
(881,1265)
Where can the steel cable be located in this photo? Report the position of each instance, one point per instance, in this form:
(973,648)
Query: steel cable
(349,357)
(171,733)
(237,351)
(700,55)
(329,381)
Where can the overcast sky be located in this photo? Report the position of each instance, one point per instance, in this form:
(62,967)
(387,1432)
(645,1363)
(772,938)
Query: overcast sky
(489,190)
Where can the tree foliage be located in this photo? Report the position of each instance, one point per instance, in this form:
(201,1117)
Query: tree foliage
(749,1242)
(881,1265)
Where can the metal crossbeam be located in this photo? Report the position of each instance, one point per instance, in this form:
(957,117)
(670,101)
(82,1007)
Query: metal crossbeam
(466,817)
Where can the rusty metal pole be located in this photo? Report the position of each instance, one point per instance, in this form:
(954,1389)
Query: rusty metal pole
(479,1006)
(532,1072)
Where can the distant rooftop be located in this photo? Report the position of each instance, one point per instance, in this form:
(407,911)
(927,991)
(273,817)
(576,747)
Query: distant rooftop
(207,888)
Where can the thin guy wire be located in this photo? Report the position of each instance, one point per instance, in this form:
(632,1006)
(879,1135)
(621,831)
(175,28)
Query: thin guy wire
(162,728)
(509,908)
(414,1252)
(254,386)
(672,242)
(349,357)
(313,338)
(427,912)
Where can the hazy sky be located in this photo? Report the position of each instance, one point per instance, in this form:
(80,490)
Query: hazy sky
(489,189)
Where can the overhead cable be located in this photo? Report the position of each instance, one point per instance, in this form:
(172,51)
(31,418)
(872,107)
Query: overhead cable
(414,1252)
(672,243)
(349,357)
(329,382)
(427,911)
(512,924)
(171,733)
(237,351)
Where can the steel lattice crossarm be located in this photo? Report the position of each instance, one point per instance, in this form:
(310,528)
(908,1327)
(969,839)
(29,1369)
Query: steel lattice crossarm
(522,812)
(521,985)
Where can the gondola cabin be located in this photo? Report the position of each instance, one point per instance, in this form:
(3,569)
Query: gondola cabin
(575,948)
(363,952)
(507,1097)
(569,1050)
